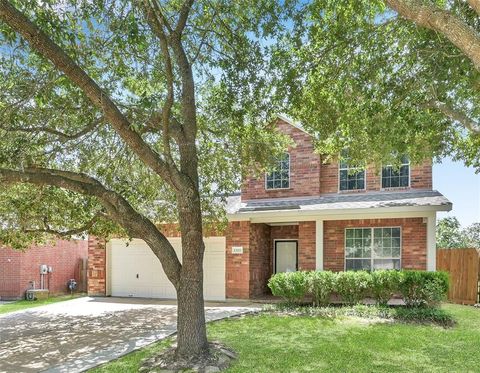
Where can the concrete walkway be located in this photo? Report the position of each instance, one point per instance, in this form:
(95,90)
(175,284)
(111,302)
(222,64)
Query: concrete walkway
(79,334)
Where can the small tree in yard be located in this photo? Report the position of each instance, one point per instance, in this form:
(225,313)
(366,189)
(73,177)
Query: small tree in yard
(116,115)
(450,234)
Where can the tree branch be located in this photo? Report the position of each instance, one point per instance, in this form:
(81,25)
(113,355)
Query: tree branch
(456,115)
(475,5)
(62,135)
(71,232)
(157,25)
(442,21)
(182,19)
(116,206)
(46,47)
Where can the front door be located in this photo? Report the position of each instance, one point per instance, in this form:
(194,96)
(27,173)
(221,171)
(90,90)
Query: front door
(286,256)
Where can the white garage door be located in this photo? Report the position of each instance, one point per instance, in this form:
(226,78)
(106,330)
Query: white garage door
(136,272)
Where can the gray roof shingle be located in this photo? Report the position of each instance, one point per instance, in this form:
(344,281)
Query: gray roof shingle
(341,201)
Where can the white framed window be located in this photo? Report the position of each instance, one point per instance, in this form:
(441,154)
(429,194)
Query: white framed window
(351,177)
(396,177)
(373,248)
(279,178)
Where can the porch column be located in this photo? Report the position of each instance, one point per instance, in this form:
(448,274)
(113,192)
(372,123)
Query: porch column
(431,242)
(319,245)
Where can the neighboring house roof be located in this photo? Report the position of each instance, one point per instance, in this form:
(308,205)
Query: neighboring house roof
(334,203)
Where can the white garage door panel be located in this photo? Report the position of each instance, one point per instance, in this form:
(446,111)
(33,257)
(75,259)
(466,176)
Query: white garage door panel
(136,272)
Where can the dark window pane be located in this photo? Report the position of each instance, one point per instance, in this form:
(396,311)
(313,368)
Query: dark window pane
(350,265)
(395,232)
(361,184)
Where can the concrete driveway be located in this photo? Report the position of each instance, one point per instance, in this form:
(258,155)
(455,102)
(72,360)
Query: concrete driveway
(76,335)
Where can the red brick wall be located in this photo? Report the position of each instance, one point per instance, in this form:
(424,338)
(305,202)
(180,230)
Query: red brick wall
(97,271)
(306,246)
(237,270)
(10,280)
(421,176)
(414,241)
(284,232)
(260,254)
(329,177)
(19,268)
(304,169)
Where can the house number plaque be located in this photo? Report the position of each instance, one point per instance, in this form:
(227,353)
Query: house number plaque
(237,249)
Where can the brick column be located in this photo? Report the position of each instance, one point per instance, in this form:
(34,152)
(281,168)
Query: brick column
(97,271)
(238,265)
(306,245)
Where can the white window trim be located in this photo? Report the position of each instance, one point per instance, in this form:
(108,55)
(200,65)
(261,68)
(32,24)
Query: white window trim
(399,187)
(289,177)
(348,169)
(371,247)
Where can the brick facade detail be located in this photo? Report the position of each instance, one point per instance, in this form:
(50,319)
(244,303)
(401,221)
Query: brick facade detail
(306,246)
(97,266)
(304,169)
(414,241)
(19,268)
(237,266)
(313,175)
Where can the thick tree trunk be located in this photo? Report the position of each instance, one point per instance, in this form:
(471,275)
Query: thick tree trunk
(192,336)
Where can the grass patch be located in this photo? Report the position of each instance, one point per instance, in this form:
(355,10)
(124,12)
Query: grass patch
(20,305)
(283,343)
(419,315)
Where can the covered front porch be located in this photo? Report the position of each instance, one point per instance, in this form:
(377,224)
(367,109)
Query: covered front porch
(255,251)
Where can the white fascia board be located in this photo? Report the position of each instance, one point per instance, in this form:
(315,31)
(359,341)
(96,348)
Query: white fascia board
(336,214)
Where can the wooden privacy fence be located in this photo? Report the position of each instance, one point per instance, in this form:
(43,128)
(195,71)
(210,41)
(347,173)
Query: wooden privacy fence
(464,268)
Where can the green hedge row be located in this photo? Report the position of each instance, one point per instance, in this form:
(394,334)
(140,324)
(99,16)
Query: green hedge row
(418,288)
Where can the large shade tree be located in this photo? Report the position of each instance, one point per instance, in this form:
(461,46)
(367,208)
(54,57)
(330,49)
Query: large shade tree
(118,115)
(385,78)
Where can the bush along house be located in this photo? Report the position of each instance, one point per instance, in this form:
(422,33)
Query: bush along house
(305,215)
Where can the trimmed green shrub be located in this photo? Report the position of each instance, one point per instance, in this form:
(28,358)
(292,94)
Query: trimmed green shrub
(291,286)
(384,285)
(321,285)
(353,286)
(419,288)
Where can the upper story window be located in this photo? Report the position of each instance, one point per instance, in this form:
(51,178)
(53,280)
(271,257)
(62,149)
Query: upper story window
(396,177)
(279,178)
(351,177)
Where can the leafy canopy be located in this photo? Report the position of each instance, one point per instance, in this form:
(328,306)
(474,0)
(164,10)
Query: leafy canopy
(451,235)
(360,76)
(46,121)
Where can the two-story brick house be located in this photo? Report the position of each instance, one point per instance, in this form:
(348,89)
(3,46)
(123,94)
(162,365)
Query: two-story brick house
(305,215)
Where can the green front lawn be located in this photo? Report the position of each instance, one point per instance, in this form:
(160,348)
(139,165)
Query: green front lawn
(24,304)
(268,343)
